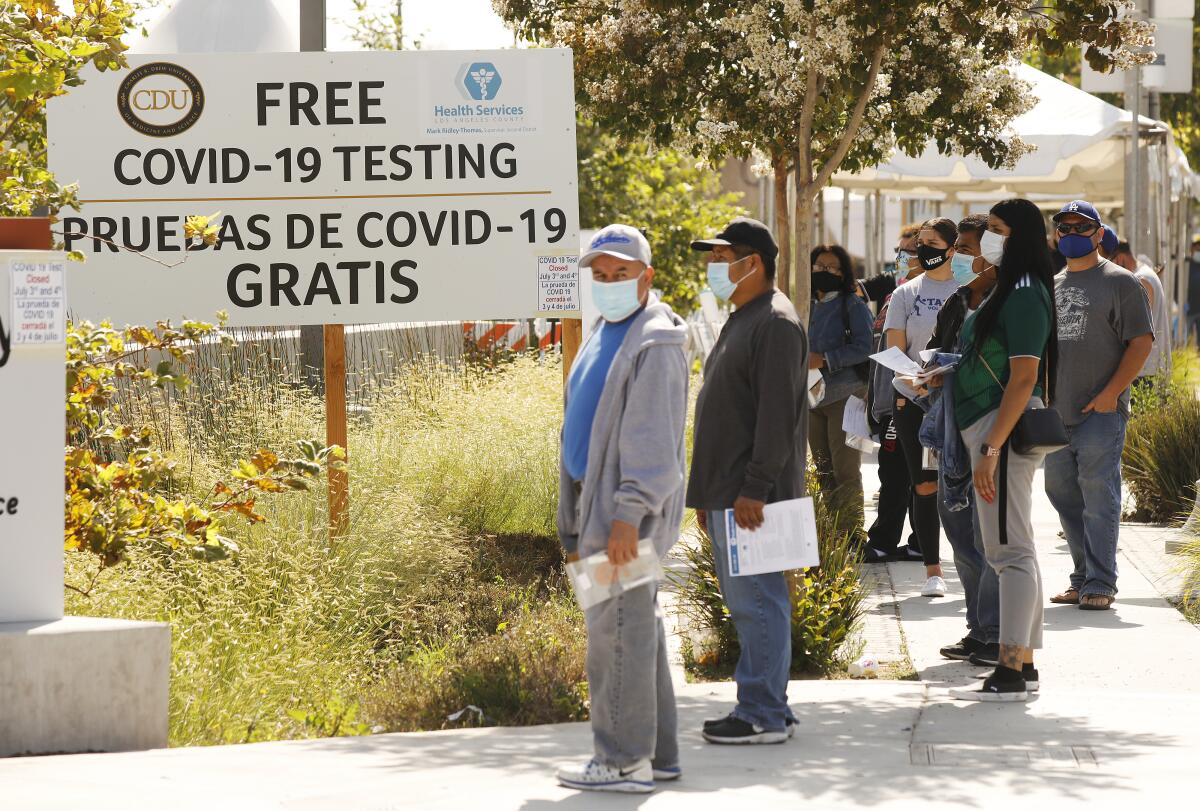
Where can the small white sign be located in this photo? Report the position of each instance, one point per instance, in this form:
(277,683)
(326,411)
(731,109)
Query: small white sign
(558,284)
(38,293)
(787,539)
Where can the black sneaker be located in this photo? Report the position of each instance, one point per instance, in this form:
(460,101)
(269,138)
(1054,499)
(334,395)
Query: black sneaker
(993,690)
(987,656)
(962,650)
(909,553)
(791,723)
(1030,675)
(736,731)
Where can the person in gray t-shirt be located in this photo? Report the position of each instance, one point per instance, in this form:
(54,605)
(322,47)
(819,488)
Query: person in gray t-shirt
(1104,337)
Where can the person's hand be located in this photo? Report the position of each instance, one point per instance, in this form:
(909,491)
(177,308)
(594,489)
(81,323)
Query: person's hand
(899,402)
(985,478)
(1102,403)
(815,360)
(702,520)
(934,382)
(622,543)
(748,512)
(572,557)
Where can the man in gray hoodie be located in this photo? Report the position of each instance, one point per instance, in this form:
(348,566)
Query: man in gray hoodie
(622,480)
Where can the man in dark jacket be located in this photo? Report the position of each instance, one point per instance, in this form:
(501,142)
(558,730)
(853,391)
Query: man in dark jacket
(749,446)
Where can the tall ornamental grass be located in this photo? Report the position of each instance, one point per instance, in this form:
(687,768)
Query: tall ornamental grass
(449,555)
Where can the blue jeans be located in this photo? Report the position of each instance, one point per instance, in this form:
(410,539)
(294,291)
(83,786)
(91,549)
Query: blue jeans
(981,585)
(1083,481)
(761,609)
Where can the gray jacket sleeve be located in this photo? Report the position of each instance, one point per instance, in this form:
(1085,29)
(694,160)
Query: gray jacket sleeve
(780,376)
(651,431)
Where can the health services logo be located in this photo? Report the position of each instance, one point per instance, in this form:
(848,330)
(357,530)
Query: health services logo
(482,81)
(160,99)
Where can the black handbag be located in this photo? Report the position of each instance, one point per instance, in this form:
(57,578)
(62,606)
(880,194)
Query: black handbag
(1039,430)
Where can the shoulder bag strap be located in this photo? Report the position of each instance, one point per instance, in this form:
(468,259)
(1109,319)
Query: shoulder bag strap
(1045,376)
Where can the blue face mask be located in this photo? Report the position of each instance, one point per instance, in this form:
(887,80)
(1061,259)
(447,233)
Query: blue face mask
(719,281)
(1074,246)
(616,301)
(960,265)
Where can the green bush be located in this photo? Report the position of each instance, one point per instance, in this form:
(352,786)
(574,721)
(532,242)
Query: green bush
(1161,459)
(531,671)
(826,605)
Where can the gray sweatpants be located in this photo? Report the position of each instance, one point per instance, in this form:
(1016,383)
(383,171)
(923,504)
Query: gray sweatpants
(629,681)
(1007,528)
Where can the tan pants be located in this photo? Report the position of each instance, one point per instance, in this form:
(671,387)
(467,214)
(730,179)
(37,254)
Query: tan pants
(837,465)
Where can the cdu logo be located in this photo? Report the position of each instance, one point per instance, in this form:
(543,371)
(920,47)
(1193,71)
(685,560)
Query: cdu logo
(482,81)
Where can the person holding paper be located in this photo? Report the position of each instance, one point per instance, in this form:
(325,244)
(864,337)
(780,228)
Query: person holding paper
(910,322)
(749,451)
(840,332)
(621,480)
(1009,353)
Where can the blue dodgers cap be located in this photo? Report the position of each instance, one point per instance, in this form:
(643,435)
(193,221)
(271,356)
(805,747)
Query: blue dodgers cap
(1109,241)
(1081,207)
(620,241)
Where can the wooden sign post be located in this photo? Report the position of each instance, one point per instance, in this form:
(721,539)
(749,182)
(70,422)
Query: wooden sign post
(335,426)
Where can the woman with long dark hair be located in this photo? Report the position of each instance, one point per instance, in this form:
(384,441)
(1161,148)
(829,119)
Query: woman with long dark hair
(839,335)
(1009,347)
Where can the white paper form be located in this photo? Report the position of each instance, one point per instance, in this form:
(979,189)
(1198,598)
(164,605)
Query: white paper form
(596,580)
(894,358)
(854,425)
(786,540)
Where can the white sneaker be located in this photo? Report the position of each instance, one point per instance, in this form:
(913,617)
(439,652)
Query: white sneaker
(667,773)
(593,776)
(934,587)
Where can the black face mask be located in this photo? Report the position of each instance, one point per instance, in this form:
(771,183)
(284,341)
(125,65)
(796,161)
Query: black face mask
(931,257)
(825,282)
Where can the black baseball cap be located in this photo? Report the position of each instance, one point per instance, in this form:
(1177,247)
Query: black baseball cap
(746,232)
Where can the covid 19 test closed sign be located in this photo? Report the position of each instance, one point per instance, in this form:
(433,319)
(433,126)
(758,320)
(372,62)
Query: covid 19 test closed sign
(348,188)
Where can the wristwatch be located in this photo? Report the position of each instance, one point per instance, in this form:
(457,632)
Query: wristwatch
(988,450)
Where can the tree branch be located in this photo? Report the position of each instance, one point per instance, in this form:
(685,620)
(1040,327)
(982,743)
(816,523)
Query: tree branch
(804,135)
(856,118)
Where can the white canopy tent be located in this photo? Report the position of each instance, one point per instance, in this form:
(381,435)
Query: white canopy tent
(1082,151)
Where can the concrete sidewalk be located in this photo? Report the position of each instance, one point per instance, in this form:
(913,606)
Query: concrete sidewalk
(1117,721)
(884,745)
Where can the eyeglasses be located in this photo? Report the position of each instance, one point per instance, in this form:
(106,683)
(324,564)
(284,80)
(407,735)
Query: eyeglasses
(1084,228)
(828,268)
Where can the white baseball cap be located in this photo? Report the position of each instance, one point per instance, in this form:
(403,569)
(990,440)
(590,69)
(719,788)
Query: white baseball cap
(621,241)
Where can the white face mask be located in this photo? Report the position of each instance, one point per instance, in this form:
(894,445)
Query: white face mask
(991,247)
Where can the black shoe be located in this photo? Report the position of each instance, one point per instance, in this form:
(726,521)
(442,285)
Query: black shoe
(1030,675)
(987,656)
(791,723)
(873,554)
(910,554)
(993,690)
(737,731)
(962,650)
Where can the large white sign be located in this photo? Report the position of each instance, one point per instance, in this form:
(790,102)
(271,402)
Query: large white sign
(32,427)
(352,187)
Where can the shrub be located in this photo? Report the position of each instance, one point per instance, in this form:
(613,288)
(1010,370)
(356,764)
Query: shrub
(826,605)
(532,671)
(1161,459)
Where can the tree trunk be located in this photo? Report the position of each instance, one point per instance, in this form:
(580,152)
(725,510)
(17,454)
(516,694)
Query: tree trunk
(783,266)
(803,225)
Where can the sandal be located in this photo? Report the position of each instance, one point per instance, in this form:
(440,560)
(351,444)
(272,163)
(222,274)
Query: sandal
(1096,602)
(1068,597)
